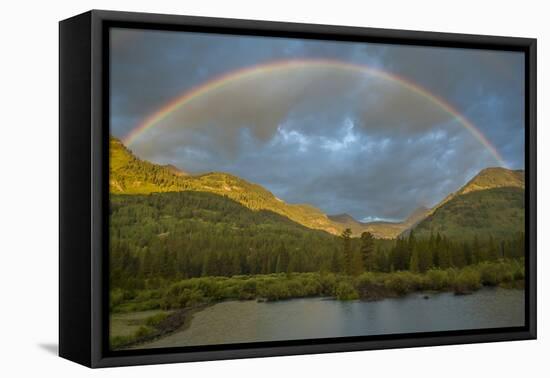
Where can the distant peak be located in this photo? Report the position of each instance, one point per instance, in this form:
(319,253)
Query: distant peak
(494,177)
(343,217)
(494,170)
(499,171)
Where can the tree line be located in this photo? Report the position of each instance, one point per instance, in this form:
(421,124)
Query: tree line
(159,238)
(420,255)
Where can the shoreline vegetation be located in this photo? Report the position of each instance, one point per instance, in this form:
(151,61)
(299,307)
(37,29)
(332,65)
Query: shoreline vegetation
(172,306)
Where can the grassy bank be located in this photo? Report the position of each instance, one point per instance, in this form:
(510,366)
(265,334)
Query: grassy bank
(126,328)
(146,314)
(131,328)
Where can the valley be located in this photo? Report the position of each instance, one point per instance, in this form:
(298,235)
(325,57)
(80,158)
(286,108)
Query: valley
(180,242)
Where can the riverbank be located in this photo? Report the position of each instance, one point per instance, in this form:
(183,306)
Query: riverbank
(234,321)
(178,301)
(147,327)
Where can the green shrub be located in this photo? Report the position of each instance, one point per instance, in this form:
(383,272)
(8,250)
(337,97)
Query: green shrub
(276,286)
(518,269)
(404,282)
(231,290)
(493,274)
(182,294)
(365,280)
(248,290)
(209,287)
(276,291)
(328,283)
(489,274)
(466,281)
(345,291)
(190,297)
(438,279)
(311,286)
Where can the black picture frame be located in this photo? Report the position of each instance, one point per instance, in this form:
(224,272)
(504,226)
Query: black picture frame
(84,188)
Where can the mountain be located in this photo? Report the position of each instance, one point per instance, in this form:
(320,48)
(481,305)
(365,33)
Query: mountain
(489,178)
(492,203)
(380,229)
(497,177)
(347,221)
(391,230)
(131,175)
(203,233)
(175,170)
(416,216)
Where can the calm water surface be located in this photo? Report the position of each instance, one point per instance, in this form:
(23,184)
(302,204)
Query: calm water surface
(250,321)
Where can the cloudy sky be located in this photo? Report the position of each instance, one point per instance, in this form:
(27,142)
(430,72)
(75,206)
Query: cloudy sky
(345,141)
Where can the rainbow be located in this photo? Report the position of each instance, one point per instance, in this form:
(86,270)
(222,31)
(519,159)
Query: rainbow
(283,65)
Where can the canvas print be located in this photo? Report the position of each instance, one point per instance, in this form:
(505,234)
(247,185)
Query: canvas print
(269,189)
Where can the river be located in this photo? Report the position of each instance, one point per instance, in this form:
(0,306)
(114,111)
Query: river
(307,318)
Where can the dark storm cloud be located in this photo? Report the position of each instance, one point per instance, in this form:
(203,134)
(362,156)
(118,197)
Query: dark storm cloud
(310,102)
(486,86)
(340,140)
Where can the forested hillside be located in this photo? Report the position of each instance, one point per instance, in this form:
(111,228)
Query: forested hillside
(492,203)
(192,234)
(130,175)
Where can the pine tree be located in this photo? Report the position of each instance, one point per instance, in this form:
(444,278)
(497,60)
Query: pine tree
(425,259)
(147,264)
(401,255)
(356,267)
(492,249)
(381,260)
(367,250)
(476,251)
(336,264)
(445,258)
(414,264)
(346,244)
(278,267)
